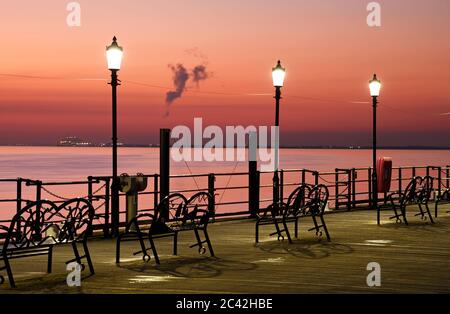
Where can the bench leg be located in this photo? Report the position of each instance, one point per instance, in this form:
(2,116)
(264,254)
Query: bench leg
(152,245)
(88,257)
(208,241)
(429,213)
(76,253)
(324,225)
(257,231)
(396,214)
(175,243)
(9,272)
(50,259)
(421,212)
(316,226)
(143,247)
(287,231)
(199,241)
(277,229)
(403,209)
(119,237)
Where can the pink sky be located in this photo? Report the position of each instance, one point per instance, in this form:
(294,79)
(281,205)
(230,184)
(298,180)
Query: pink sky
(326,46)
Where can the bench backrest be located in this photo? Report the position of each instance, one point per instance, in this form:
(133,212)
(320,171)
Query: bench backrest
(424,188)
(296,200)
(43,222)
(410,193)
(176,208)
(419,189)
(199,208)
(318,198)
(171,208)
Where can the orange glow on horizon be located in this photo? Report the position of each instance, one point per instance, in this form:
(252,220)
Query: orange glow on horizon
(54,77)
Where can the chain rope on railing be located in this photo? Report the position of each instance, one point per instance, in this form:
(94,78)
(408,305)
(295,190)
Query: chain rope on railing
(332,182)
(65,198)
(228,182)
(342,192)
(190,172)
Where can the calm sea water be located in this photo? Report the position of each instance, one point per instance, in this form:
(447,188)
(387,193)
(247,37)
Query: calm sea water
(70,163)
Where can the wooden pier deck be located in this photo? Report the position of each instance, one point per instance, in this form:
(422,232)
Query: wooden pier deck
(413,259)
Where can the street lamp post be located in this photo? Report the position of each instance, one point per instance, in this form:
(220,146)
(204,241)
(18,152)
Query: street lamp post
(278,75)
(114,57)
(375,86)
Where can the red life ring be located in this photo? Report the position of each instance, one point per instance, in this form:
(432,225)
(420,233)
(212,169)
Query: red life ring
(384,174)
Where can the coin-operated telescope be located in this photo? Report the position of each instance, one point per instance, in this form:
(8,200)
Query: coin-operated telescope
(132,185)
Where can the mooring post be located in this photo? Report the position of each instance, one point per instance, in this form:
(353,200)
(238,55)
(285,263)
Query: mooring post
(253,176)
(19,202)
(212,191)
(107,228)
(252,188)
(155,190)
(37,235)
(19,195)
(164,165)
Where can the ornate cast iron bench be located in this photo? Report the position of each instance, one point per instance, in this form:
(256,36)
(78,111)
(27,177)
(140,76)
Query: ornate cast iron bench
(303,201)
(174,214)
(41,225)
(417,192)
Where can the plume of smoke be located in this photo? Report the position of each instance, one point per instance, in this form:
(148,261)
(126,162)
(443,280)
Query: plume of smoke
(180,77)
(199,73)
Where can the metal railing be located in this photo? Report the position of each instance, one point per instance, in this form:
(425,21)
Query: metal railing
(349,189)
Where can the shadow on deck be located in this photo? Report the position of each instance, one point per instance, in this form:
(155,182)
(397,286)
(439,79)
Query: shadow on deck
(413,259)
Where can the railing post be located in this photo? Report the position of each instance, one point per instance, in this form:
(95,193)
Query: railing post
(316,178)
(354,177)
(90,199)
(164,166)
(349,190)
(107,226)
(438,198)
(253,188)
(303,176)
(19,202)
(447,173)
(336,187)
(155,190)
(370,183)
(413,172)
(19,195)
(439,181)
(212,191)
(37,234)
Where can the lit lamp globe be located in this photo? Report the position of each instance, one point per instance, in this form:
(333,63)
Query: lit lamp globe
(114,55)
(375,86)
(278,74)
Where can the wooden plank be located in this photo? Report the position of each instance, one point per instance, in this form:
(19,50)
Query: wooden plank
(413,259)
